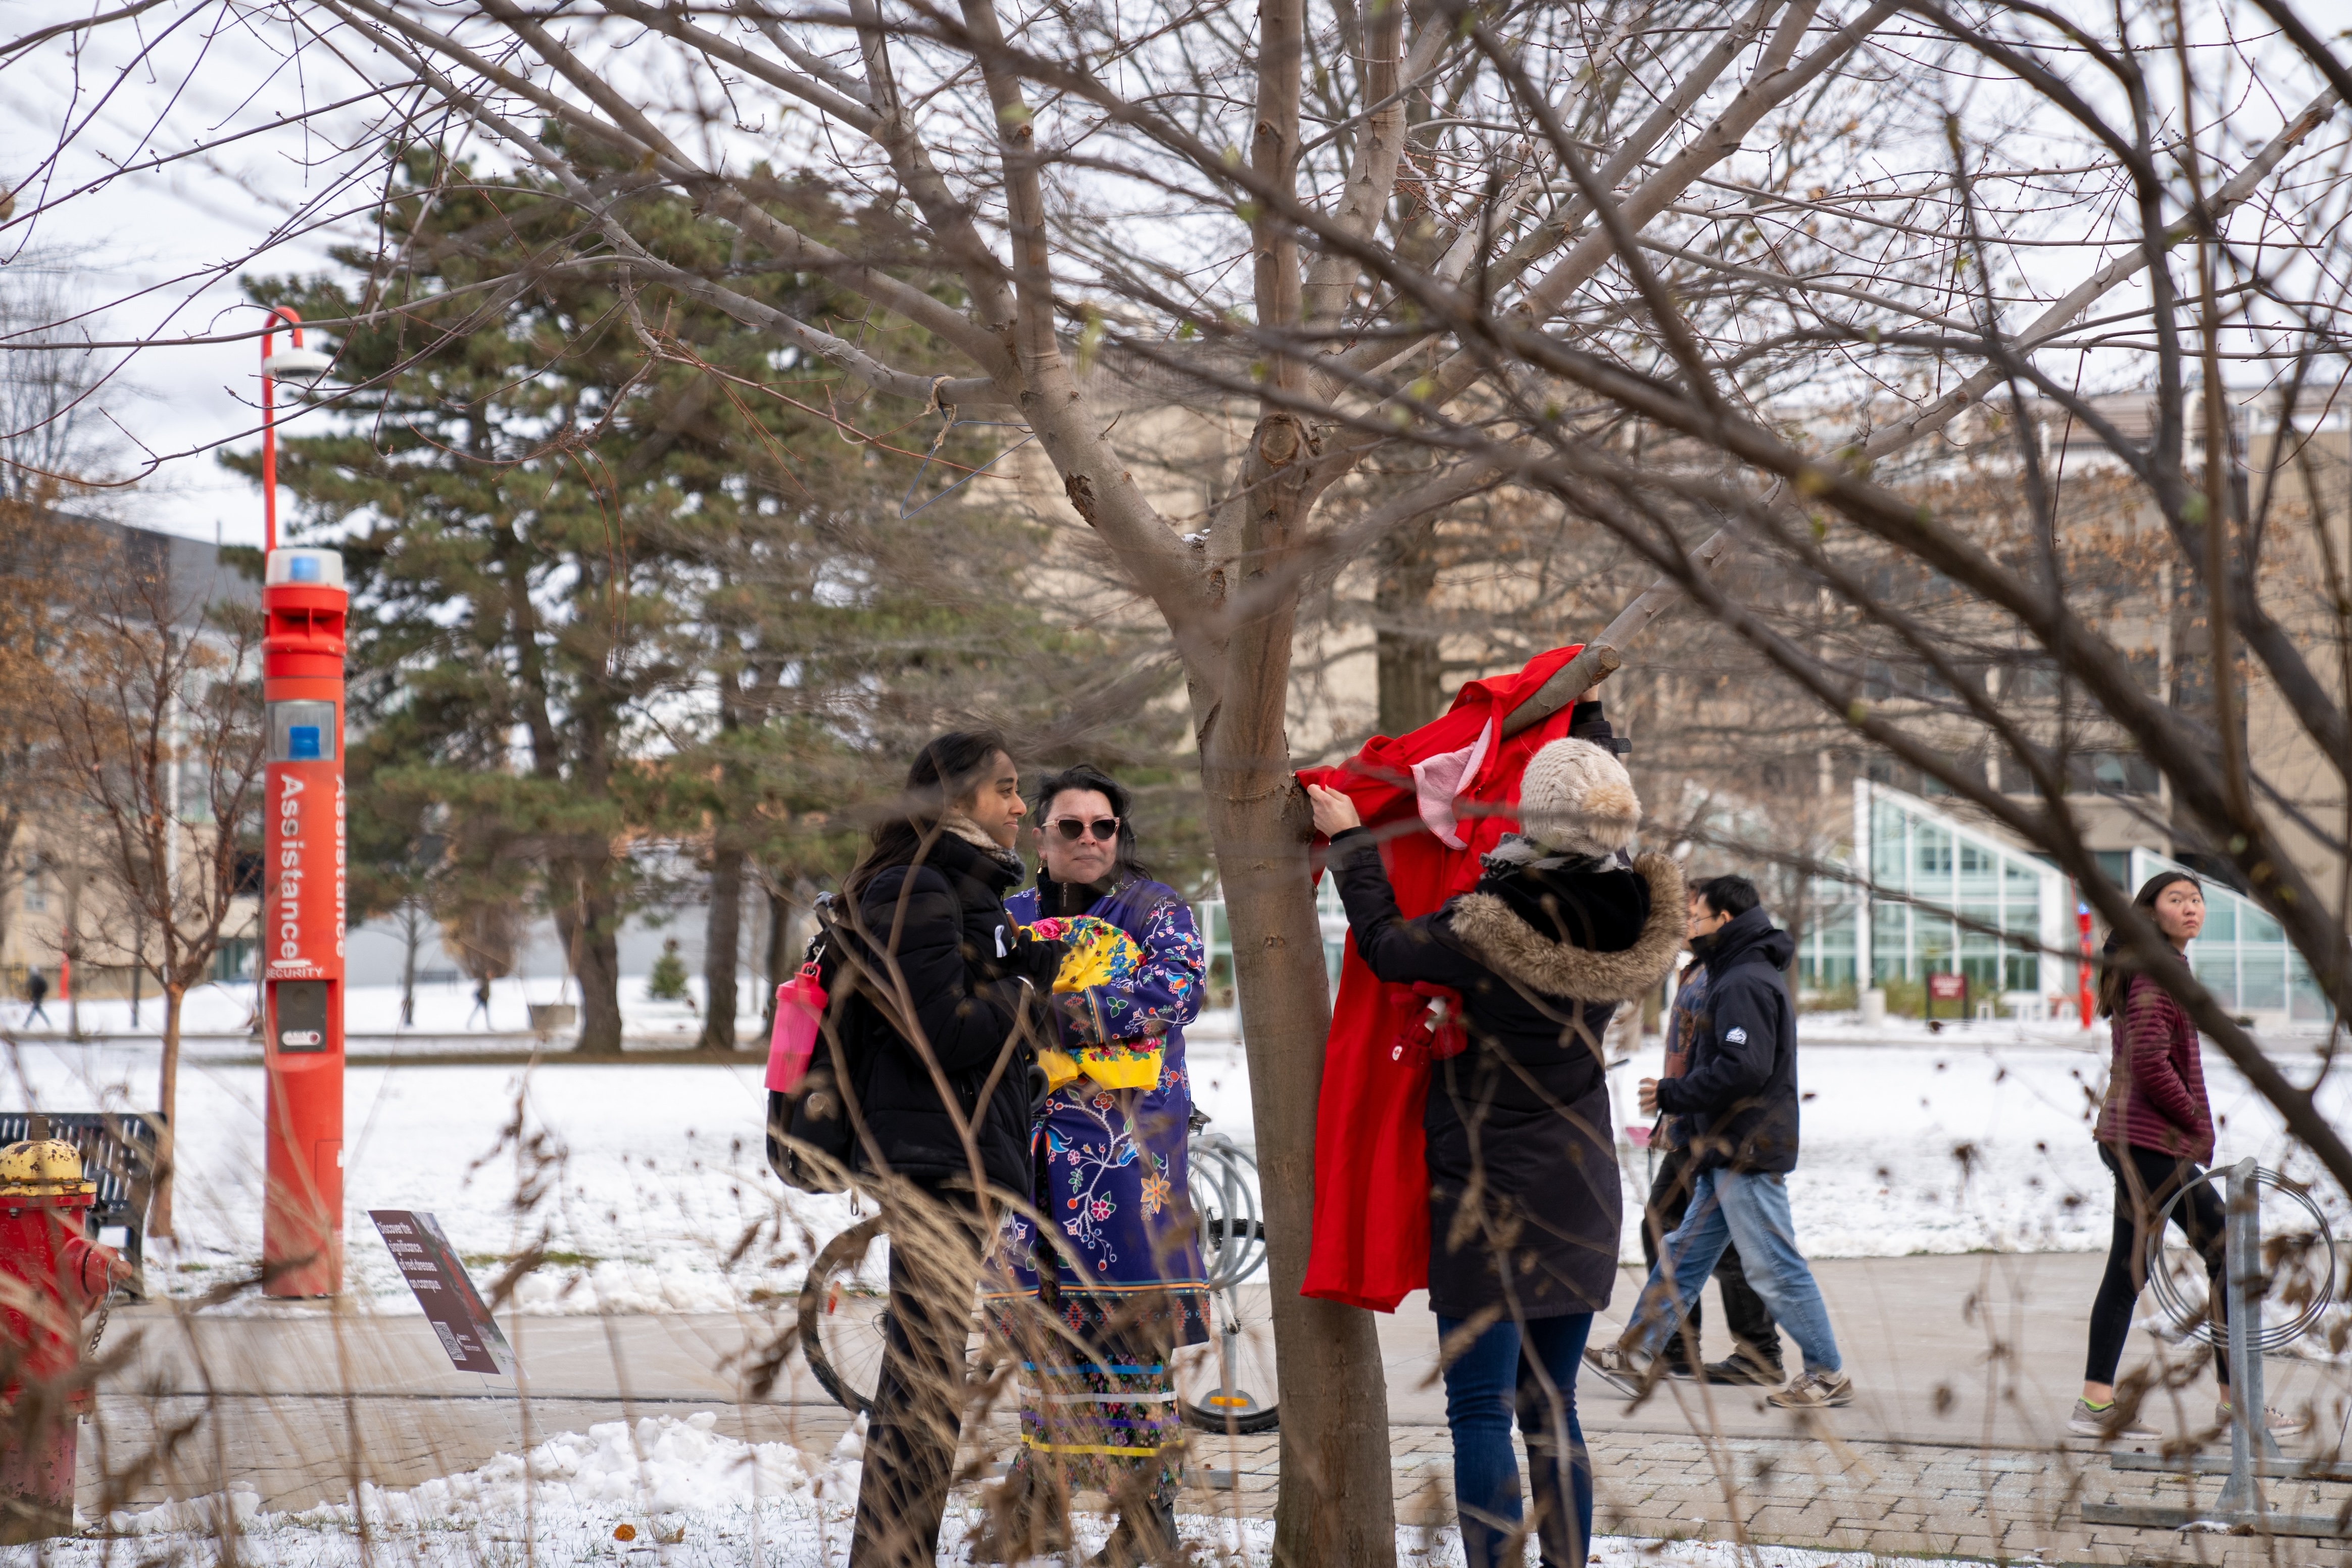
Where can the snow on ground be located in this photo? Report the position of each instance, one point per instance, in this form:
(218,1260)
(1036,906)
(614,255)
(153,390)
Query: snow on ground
(446,1012)
(646,1178)
(671,1493)
(649,1177)
(1977,1139)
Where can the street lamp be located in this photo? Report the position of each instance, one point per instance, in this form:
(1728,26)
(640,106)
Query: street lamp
(298,365)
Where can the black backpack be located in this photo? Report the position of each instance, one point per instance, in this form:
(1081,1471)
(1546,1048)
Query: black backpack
(811,1135)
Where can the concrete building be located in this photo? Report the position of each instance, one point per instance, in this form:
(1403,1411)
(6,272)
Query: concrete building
(56,895)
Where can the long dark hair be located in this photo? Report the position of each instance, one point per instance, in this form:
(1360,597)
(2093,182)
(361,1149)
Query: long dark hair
(1085,775)
(2114,980)
(947,770)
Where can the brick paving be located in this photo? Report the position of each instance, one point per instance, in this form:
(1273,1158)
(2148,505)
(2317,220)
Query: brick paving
(1952,1449)
(1891,1500)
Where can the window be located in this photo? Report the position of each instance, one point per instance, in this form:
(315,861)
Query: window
(2033,676)
(1935,852)
(37,889)
(2116,773)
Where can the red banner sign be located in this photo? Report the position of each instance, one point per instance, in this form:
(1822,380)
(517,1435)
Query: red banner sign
(304,859)
(1948,987)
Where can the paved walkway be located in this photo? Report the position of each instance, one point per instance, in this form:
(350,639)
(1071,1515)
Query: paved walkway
(1954,1446)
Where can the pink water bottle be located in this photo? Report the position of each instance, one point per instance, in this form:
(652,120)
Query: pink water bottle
(799,1010)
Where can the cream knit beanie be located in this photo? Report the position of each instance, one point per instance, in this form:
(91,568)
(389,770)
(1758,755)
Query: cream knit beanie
(1577,798)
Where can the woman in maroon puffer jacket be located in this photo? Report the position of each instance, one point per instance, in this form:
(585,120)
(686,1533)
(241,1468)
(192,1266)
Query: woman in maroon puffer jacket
(2156,1136)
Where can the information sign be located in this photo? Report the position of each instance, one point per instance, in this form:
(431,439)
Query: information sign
(451,1304)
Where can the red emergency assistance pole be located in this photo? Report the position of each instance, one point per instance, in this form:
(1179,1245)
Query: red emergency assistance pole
(2083,997)
(303,604)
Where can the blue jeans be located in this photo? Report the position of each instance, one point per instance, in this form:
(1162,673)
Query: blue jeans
(1502,1374)
(1748,1209)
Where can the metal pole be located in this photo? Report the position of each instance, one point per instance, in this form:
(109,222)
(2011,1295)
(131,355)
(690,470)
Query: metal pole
(2249,1438)
(293,320)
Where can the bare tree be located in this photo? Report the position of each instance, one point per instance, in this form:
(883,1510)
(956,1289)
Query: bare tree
(55,439)
(153,700)
(1699,277)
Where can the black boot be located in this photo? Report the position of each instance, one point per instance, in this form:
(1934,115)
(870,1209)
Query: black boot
(1744,1368)
(1145,1534)
(1022,1520)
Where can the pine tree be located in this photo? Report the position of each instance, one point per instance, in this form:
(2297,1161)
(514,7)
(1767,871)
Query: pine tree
(627,593)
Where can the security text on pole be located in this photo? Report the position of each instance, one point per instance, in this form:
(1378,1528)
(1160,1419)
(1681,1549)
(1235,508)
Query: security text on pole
(452,1305)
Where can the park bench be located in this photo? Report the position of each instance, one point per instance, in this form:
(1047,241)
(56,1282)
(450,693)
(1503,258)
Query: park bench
(117,1153)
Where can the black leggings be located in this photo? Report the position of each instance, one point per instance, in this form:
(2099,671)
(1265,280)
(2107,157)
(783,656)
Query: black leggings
(2142,1189)
(918,1414)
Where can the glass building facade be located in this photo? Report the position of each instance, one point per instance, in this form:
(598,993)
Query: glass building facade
(1950,896)
(1949,899)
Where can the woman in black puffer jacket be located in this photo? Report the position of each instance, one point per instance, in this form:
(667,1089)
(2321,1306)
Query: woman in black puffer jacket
(943,1001)
(1524,1200)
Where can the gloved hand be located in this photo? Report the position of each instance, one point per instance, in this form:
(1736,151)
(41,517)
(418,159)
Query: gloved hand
(1586,721)
(1037,960)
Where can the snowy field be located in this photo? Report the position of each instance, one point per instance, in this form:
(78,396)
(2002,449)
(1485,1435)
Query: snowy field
(670,1493)
(446,1014)
(648,1178)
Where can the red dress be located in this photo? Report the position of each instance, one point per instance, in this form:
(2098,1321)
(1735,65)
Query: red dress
(1457,778)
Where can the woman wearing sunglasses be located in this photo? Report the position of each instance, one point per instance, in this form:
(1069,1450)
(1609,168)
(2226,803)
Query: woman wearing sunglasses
(1119,1272)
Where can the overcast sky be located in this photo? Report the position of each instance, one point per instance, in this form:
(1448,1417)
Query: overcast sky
(156,254)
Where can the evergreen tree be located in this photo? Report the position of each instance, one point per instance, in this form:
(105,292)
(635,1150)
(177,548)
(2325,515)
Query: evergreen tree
(627,584)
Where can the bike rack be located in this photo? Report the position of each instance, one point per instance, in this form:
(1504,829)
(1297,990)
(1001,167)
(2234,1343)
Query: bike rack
(1229,1254)
(2254,1455)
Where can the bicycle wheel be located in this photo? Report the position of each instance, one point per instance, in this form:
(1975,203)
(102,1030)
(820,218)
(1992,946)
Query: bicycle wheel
(844,1318)
(1229,1385)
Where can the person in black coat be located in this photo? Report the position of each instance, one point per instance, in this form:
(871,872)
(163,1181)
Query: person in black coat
(1524,1201)
(941,1001)
(1739,1096)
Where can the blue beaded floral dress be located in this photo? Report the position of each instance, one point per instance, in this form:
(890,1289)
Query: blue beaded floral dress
(1126,1286)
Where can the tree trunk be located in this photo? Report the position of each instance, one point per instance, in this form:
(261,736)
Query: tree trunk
(782,959)
(590,926)
(138,966)
(1336,1505)
(167,1101)
(411,923)
(722,936)
(1336,1502)
(1405,651)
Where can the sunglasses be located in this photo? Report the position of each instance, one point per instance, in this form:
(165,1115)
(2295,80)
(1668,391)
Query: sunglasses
(1103,828)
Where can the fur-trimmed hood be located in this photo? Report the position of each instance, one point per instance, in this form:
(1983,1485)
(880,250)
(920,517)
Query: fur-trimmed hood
(1512,948)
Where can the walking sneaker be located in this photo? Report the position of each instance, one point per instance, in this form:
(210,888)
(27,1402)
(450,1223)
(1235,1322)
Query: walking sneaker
(1741,1370)
(2106,1422)
(2280,1422)
(1814,1390)
(1620,1363)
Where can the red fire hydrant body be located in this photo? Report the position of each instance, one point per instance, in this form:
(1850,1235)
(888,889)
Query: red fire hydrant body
(52,1274)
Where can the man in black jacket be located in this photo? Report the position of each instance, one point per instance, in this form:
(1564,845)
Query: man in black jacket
(1739,1102)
